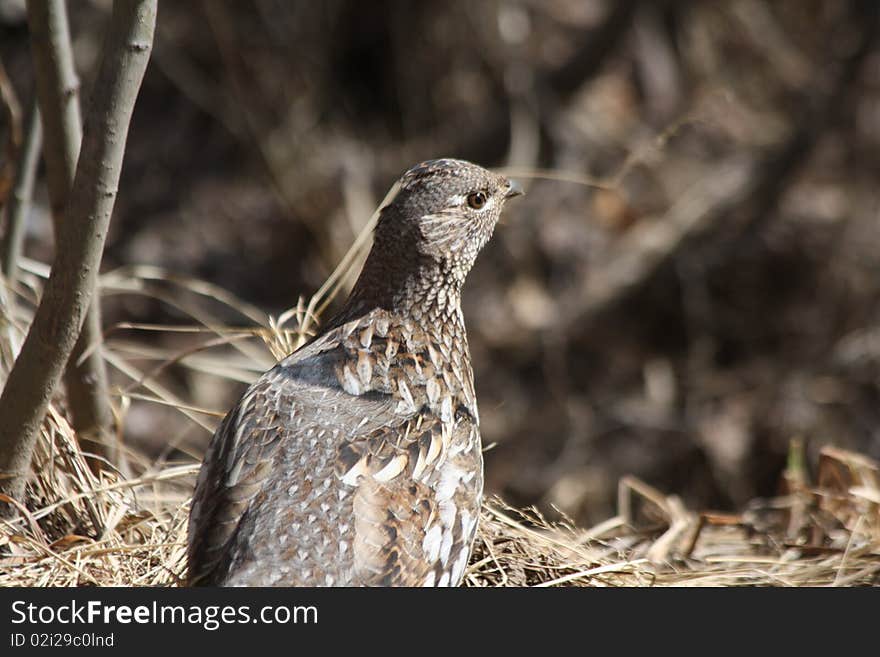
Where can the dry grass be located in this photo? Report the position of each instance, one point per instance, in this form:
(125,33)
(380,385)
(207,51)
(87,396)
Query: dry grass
(117,531)
(127,527)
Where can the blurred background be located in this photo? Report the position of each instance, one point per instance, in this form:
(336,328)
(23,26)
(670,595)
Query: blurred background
(690,286)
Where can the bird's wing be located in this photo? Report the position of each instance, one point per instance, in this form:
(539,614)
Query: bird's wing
(414,520)
(280,406)
(411,521)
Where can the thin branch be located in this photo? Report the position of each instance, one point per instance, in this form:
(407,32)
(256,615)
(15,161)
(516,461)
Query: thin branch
(11,112)
(58,94)
(17,209)
(22,192)
(70,287)
(88,396)
(85,378)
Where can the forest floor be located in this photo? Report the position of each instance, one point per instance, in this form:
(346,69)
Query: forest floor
(110,530)
(126,526)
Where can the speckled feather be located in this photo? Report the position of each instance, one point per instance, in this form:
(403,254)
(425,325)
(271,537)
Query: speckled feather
(357,460)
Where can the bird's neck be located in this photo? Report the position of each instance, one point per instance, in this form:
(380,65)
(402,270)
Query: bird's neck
(421,291)
(411,285)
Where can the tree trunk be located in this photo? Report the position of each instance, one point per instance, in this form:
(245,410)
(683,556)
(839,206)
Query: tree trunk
(69,290)
(85,378)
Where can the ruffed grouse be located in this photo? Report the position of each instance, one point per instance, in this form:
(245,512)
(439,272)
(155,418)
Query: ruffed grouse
(357,460)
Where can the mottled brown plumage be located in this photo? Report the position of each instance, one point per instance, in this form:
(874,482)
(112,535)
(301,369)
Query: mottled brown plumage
(357,460)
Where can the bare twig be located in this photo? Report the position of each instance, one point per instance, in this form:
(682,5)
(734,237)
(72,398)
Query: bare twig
(71,284)
(21,196)
(85,378)
(88,397)
(12,240)
(58,95)
(12,111)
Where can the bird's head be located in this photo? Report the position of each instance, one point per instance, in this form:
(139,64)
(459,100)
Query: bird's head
(427,238)
(446,211)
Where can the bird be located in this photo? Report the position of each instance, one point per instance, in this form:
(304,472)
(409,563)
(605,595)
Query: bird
(357,459)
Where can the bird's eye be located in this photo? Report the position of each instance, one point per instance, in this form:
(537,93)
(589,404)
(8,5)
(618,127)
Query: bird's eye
(477,200)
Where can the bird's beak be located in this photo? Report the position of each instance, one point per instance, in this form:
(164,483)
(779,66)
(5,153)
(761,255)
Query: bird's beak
(513,189)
